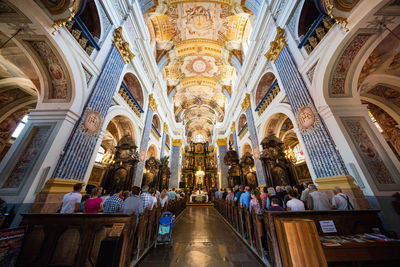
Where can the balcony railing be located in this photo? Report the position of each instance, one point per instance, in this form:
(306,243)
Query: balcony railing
(316,33)
(82,35)
(243,131)
(130,100)
(269,96)
(155,132)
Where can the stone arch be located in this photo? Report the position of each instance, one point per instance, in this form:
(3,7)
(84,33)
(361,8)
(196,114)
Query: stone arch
(242,122)
(246,148)
(309,13)
(90,17)
(264,84)
(156,123)
(133,85)
(152,151)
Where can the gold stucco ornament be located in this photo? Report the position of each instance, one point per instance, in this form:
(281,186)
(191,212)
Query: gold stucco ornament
(122,45)
(277,45)
(152,103)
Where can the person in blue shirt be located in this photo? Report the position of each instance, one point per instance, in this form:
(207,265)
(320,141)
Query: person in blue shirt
(245,198)
(238,193)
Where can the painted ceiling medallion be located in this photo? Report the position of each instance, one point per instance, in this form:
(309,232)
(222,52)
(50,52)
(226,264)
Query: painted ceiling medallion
(199,65)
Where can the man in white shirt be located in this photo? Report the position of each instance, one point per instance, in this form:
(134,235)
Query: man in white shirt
(341,201)
(294,204)
(72,200)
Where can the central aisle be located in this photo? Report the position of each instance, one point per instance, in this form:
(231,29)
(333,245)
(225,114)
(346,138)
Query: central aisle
(201,238)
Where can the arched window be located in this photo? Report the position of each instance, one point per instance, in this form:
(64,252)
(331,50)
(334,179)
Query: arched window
(134,87)
(242,123)
(156,123)
(263,86)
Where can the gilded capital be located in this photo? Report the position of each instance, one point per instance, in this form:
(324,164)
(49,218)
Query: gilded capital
(152,103)
(233,127)
(63,11)
(122,46)
(277,45)
(329,5)
(222,141)
(176,142)
(246,102)
(165,127)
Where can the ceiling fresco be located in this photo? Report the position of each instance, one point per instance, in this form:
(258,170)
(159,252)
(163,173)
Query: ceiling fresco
(199,38)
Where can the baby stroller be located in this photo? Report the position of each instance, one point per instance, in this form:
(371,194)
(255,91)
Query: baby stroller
(165,229)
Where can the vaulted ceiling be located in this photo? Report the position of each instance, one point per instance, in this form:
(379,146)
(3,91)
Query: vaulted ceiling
(196,43)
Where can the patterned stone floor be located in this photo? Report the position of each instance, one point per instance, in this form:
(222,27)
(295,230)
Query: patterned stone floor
(201,238)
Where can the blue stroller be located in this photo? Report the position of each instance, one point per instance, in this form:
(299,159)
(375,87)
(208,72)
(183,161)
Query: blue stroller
(165,229)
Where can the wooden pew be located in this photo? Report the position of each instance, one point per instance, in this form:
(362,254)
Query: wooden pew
(346,223)
(76,239)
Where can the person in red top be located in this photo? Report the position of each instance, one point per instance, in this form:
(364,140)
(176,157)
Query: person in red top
(94,204)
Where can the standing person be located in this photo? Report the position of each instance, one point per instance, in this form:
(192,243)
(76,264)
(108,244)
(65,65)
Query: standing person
(286,196)
(114,203)
(317,200)
(153,197)
(172,194)
(133,204)
(256,203)
(164,198)
(146,197)
(294,204)
(94,204)
(264,195)
(245,198)
(72,200)
(224,194)
(275,205)
(229,195)
(239,193)
(304,193)
(341,201)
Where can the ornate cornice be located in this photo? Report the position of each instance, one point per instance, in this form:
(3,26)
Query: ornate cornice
(176,142)
(122,45)
(276,45)
(328,7)
(246,102)
(233,127)
(152,103)
(66,8)
(165,128)
(222,141)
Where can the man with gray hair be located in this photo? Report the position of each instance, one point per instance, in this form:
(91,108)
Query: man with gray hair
(317,200)
(146,197)
(341,201)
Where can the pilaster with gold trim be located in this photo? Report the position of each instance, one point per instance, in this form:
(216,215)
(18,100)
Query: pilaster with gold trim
(175,162)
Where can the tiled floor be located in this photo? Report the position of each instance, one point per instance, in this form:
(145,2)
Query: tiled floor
(201,238)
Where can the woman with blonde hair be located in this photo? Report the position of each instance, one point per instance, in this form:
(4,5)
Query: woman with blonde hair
(164,198)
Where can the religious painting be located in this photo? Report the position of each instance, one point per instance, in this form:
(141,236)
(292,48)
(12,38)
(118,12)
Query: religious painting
(385,59)
(379,165)
(37,138)
(263,86)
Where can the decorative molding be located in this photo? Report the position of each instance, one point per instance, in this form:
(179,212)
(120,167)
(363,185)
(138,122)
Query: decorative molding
(152,103)
(122,46)
(165,127)
(176,142)
(59,186)
(344,182)
(233,127)
(345,5)
(246,102)
(276,45)
(69,9)
(328,7)
(222,141)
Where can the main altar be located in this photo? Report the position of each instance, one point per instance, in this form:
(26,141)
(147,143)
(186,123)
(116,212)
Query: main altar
(199,170)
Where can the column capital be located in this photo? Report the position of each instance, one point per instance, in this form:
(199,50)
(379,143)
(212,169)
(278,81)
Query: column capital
(222,141)
(176,142)
(152,103)
(246,102)
(122,46)
(277,45)
(233,127)
(165,127)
